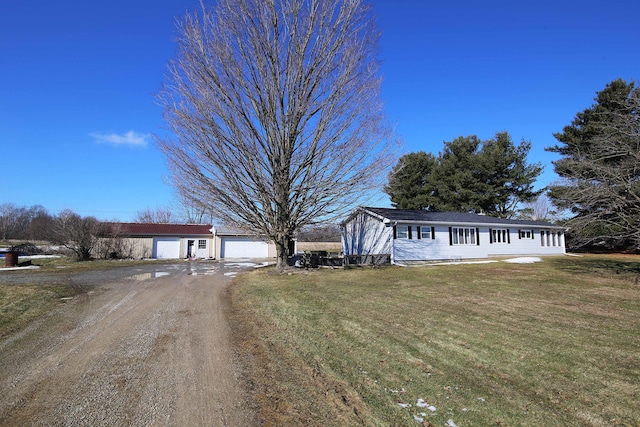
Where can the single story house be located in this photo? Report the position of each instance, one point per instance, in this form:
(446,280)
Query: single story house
(419,235)
(176,241)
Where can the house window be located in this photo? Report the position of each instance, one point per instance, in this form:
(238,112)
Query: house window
(402,232)
(499,235)
(425,232)
(463,236)
(202,244)
(526,234)
(551,238)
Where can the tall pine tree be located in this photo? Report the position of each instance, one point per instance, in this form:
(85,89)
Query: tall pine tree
(469,175)
(600,169)
(408,188)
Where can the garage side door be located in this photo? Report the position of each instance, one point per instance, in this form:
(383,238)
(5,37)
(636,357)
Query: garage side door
(238,247)
(166,247)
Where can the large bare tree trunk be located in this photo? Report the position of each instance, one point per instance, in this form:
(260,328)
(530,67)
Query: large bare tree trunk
(275,112)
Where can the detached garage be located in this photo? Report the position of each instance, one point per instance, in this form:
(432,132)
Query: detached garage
(238,244)
(166,241)
(243,247)
(166,247)
(179,241)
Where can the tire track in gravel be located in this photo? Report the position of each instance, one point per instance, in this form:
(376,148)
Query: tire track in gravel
(153,352)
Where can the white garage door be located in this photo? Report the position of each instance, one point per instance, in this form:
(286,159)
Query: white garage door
(166,247)
(238,247)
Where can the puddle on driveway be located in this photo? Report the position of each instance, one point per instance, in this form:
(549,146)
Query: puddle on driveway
(199,269)
(147,276)
(208,271)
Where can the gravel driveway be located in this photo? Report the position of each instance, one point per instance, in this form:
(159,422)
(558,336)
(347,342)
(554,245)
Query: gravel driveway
(143,347)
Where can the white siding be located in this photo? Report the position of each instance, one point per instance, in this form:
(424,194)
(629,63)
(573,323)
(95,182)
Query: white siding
(441,248)
(438,248)
(366,235)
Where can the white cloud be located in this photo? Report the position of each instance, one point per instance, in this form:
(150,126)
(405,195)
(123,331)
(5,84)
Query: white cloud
(130,138)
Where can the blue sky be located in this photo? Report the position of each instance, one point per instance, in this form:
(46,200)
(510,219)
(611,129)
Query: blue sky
(77,80)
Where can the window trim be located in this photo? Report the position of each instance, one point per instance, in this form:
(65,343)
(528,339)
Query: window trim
(402,232)
(425,233)
(522,234)
(501,236)
(464,236)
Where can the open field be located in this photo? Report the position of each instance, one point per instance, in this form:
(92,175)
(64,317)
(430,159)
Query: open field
(554,343)
(319,246)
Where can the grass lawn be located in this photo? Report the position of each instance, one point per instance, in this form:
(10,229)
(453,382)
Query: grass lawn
(555,343)
(22,304)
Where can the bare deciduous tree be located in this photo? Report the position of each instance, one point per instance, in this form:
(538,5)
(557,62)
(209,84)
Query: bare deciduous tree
(8,215)
(76,233)
(541,209)
(22,223)
(276,113)
(194,211)
(155,216)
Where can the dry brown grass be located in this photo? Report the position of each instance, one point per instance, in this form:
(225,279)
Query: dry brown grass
(319,246)
(549,344)
(21,304)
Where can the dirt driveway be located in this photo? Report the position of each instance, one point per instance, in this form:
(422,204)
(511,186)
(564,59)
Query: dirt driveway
(150,349)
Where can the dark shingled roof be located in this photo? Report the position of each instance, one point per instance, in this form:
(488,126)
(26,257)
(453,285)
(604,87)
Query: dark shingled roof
(139,229)
(411,215)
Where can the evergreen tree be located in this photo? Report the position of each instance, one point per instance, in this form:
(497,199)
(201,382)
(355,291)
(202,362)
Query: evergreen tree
(469,175)
(505,176)
(407,181)
(455,182)
(600,169)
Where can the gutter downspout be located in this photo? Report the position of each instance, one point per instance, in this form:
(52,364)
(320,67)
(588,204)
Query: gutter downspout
(393,244)
(213,243)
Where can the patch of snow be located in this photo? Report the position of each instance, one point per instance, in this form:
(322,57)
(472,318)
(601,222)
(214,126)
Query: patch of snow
(39,256)
(240,264)
(231,273)
(404,405)
(450,423)
(523,260)
(30,267)
(418,419)
(263,264)
(422,404)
